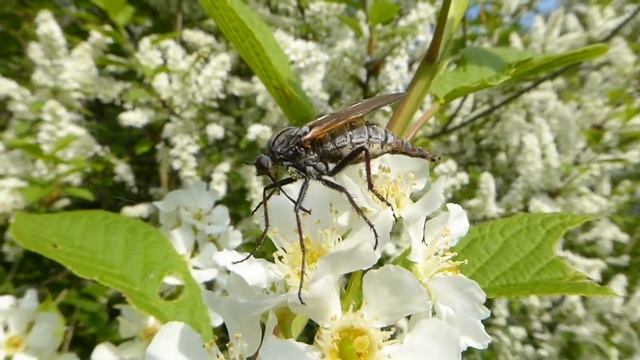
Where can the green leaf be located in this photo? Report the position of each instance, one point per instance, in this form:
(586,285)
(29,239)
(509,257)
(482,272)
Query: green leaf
(382,11)
(547,63)
(479,68)
(34,193)
(80,193)
(64,142)
(123,253)
(482,68)
(255,43)
(143,146)
(118,10)
(516,256)
(32,148)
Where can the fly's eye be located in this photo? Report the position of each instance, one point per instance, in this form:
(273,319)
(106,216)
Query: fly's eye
(263,164)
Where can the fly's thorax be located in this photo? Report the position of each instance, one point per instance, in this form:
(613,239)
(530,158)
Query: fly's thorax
(284,139)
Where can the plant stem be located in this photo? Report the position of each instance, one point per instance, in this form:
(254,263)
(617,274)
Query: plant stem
(353,290)
(422,79)
(423,120)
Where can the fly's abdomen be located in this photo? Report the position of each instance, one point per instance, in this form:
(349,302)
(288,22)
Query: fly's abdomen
(376,139)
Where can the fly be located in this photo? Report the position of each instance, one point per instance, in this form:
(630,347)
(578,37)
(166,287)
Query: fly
(321,149)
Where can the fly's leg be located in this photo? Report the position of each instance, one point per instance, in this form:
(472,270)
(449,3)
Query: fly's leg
(265,198)
(303,250)
(367,166)
(293,201)
(340,188)
(275,188)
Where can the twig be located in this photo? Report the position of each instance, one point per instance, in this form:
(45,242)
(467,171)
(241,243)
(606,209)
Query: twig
(455,112)
(179,17)
(423,120)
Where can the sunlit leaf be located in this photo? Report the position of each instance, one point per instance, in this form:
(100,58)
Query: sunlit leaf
(120,252)
(482,68)
(516,256)
(382,11)
(118,10)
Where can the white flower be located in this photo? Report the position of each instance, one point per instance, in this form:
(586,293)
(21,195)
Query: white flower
(136,118)
(255,286)
(142,210)
(455,178)
(259,132)
(484,205)
(10,197)
(138,329)
(242,311)
(20,98)
(219,179)
(183,155)
(198,38)
(197,227)
(456,299)
(328,249)
(124,173)
(178,341)
(389,294)
(310,62)
(427,339)
(25,331)
(396,178)
(214,132)
(193,206)
(61,134)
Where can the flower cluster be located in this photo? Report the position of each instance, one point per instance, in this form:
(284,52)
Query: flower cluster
(402,299)
(198,228)
(46,135)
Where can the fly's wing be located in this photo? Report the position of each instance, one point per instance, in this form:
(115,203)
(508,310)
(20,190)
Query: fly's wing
(329,122)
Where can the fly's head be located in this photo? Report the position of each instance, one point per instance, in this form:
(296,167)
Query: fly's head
(264,164)
(270,162)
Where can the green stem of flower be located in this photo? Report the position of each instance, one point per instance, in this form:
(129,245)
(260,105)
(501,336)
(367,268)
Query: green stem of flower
(422,79)
(434,61)
(352,296)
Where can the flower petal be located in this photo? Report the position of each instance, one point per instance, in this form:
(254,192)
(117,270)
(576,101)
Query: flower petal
(391,293)
(46,333)
(274,348)
(415,215)
(256,272)
(183,239)
(459,301)
(429,339)
(177,341)
(407,165)
(241,311)
(321,300)
(357,251)
(105,351)
(458,223)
